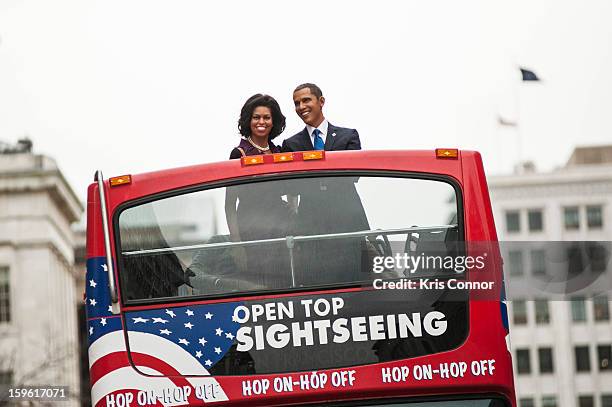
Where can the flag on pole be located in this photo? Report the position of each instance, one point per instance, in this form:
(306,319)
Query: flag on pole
(529,76)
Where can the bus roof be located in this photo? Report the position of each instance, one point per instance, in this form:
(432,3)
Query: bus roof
(418,161)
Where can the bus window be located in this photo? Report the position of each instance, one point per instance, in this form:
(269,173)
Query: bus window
(280,234)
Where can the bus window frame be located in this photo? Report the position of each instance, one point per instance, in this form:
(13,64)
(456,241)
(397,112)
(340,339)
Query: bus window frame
(252,179)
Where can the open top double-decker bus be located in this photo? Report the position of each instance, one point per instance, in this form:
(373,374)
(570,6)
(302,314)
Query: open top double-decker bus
(350,278)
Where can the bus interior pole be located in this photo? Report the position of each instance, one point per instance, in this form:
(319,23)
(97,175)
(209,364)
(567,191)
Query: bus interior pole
(290,245)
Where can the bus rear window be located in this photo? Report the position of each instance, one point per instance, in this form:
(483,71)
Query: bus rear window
(282,234)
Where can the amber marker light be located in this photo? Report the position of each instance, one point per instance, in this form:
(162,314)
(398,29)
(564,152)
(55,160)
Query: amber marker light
(313,155)
(253,160)
(447,153)
(121,180)
(283,157)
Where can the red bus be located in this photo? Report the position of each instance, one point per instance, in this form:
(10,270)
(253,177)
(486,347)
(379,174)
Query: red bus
(336,278)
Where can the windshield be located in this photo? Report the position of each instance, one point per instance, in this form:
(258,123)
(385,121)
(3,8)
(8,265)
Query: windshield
(280,234)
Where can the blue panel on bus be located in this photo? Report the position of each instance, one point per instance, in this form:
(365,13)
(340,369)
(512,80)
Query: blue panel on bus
(504,308)
(100,319)
(97,295)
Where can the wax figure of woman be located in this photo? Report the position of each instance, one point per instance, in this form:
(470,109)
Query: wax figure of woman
(256,211)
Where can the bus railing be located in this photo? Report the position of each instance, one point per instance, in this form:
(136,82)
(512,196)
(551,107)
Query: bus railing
(290,242)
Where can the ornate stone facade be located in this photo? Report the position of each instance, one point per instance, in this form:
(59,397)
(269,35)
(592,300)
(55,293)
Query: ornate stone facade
(38,340)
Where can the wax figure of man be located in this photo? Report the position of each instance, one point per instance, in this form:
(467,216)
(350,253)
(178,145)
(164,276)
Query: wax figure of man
(318,134)
(326,205)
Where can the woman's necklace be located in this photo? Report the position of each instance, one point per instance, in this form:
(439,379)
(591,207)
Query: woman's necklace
(257,146)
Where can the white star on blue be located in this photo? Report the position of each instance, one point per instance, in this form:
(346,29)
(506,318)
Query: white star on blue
(191,328)
(100,319)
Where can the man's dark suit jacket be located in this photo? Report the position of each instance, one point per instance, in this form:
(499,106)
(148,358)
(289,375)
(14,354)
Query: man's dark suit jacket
(344,139)
(328,205)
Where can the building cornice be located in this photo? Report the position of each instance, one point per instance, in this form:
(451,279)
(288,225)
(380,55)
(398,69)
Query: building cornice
(47,245)
(574,175)
(50,180)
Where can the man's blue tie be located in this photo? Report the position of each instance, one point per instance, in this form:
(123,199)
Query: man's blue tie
(318,140)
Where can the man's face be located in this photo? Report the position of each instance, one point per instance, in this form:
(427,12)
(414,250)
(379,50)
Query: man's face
(308,106)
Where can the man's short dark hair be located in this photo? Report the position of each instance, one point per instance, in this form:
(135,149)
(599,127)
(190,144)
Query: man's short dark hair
(278,119)
(314,89)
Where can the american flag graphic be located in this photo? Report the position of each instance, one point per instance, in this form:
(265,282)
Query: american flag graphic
(165,342)
(205,332)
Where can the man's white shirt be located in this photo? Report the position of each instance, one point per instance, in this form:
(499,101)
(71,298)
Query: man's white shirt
(322,128)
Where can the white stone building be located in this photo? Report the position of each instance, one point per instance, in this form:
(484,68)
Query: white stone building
(38,320)
(562,349)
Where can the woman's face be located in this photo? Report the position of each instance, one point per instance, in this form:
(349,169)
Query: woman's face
(261,122)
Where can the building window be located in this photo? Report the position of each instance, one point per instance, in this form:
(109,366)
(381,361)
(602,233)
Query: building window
(549,401)
(526,402)
(541,312)
(601,308)
(513,221)
(604,356)
(523,364)
(515,260)
(586,401)
(5,295)
(6,381)
(535,220)
(519,312)
(594,216)
(538,262)
(6,378)
(576,259)
(598,257)
(545,357)
(578,309)
(583,361)
(606,400)
(571,218)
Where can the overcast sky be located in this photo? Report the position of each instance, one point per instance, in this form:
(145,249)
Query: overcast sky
(130,86)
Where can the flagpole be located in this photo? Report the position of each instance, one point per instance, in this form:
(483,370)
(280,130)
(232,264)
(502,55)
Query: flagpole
(519,146)
(526,76)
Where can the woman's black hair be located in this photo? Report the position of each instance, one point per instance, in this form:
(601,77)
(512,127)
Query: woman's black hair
(278,120)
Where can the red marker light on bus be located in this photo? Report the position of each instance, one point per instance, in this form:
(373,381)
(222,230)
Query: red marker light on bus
(447,153)
(121,180)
